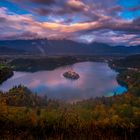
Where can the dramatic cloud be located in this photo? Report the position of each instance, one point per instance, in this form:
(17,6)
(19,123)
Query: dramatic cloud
(136,8)
(48,2)
(115,22)
(42,2)
(77,5)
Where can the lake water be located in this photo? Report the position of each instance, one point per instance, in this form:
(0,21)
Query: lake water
(96,80)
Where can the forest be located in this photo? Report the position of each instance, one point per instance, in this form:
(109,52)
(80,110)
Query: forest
(5,72)
(69,69)
(129,62)
(24,115)
(36,63)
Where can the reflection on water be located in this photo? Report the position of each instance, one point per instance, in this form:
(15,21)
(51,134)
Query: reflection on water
(96,79)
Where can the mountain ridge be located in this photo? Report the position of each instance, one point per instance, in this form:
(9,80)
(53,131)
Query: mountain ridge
(64,47)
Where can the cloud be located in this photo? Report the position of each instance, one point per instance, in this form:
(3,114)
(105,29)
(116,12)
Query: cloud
(42,11)
(135,8)
(48,2)
(68,7)
(137,21)
(77,5)
(42,2)
(81,20)
(110,37)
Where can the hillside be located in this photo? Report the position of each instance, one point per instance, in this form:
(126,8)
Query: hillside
(63,47)
(130,62)
(36,64)
(5,73)
(24,115)
(10,50)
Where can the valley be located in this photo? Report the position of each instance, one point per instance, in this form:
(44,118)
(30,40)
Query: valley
(69,69)
(115,117)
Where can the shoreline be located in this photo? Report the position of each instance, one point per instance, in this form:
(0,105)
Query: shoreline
(6,74)
(65,61)
(120,82)
(115,117)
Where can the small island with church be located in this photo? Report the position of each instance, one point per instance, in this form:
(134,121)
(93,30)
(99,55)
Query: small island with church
(71,75)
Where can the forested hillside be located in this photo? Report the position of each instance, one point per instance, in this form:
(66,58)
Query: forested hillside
(25,115)
(5,72)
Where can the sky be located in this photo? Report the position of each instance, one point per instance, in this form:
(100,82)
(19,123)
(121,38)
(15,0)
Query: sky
(115,22)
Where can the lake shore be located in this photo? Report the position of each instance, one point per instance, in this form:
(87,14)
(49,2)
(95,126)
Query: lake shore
(53,83)
(5,73)
(116,117)
(106,117)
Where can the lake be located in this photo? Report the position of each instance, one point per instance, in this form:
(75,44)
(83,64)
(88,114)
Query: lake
(96,79)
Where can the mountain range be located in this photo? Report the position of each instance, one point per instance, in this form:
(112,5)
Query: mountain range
(63,47)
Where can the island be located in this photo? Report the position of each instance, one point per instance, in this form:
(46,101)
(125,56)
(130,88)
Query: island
(71,75)
(28,115)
